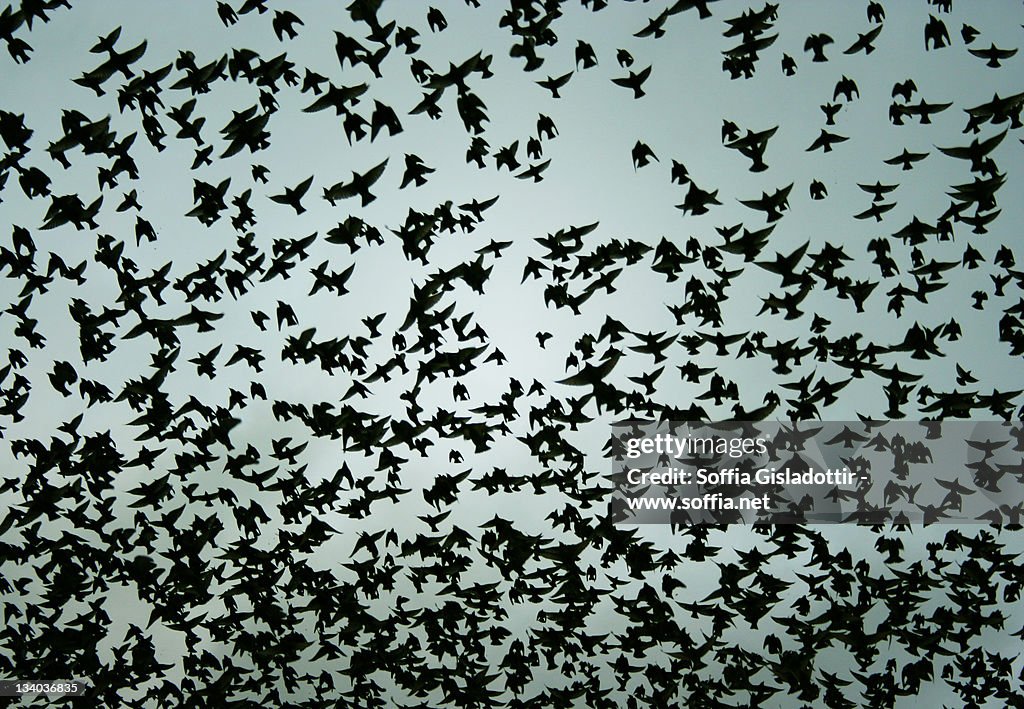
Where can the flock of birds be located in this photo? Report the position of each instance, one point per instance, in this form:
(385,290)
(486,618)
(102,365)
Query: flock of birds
(268,576)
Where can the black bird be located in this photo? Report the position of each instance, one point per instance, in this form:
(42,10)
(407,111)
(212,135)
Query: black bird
(585,55)
(226,13)
(788,65)
(204,362)
(554,84)
(384,117)
(730,131)
(816,43)
(415,171)
(753,146)
(634,81)
(534,150)
(864,41)
(293,196)
(976,152)
(935,34)
(904,89)
(847,88)
(534,171)
(284,24)
(772,205)
(830,110)
(698,200)
(406,37)
(655,26)
(993,55)
(679,173)
(906,159)
(348,48)
(876,210)
(359,185)
(338,99)
(436,20)
(546,127)
(507,157)
(825,141)
(642,155)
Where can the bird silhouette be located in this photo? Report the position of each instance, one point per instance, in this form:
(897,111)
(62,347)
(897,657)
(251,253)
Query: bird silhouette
(554,84)
(359,185)
(634,81)
(642,155)
(293,195)
(585,55)
(816,44)
(935,34)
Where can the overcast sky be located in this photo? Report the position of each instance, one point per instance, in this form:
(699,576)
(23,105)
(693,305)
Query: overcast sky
(591,179)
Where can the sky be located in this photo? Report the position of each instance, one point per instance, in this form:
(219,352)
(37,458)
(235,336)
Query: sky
(591,179)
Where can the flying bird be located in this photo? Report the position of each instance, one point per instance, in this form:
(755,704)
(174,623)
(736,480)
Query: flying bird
(293,195)
(865,41)
(585,55)
(359,185)
(554,84)
(634,81)
(642,155)
(994,56)
(816,44)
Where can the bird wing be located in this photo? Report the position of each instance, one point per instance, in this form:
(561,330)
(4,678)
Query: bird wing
(375,173)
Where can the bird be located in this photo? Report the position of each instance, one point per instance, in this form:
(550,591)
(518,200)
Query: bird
(904,89)
(753,146)
(436,20)
(655,27)
(284,24)
(679,173)
(554,84)
(415,171)
(534,172)
(293,195)
(906,159)
(772,205)
(226,14)
(642,155)
(935,34)
(826,140)
(865,41)
(384,116)
(506,156)
(830,110)
(816,43)
(359,185)
(876,210)
(994,56)
(585,55)
(634,81)
(846,87)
